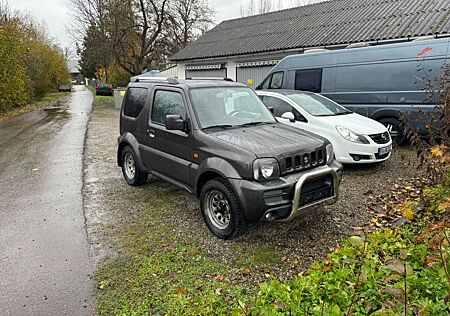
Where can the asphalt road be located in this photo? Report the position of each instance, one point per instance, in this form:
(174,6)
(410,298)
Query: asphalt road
(44,253)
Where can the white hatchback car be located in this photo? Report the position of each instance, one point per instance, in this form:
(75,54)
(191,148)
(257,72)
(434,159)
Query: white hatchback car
(355,138)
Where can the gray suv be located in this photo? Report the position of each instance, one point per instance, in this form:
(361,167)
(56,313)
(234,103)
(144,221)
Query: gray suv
(217,140)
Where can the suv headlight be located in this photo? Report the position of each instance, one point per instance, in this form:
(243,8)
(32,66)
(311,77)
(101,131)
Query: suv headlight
(351,136)
(265,169)
(330,153)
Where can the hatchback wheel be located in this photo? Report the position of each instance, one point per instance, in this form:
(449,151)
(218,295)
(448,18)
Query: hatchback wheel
(221,209)
(130,168)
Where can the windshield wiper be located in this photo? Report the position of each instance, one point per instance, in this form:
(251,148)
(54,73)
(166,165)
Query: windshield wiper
(218,126)
(255,123)
(344,113)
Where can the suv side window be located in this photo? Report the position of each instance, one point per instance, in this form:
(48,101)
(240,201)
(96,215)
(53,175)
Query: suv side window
(134,102)
(167,103)
(280,107)
(309,80)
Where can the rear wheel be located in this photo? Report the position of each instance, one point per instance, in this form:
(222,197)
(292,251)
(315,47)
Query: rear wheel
(130,168)
(221,209)
(395,128)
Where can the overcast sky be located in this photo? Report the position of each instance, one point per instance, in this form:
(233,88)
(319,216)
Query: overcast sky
(55,14)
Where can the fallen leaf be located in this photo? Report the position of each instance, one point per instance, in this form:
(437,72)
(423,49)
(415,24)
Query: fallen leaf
(218,291)
(246,271)
(408,214)
(327,260)
(181,290)
(219,277)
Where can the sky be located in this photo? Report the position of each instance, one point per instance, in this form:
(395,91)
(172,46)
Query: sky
(56,16)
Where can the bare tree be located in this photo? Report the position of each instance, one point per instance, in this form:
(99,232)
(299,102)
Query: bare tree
(187,19)
(137,33)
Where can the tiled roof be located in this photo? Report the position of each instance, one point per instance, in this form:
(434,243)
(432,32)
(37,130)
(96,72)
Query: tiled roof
(335,22)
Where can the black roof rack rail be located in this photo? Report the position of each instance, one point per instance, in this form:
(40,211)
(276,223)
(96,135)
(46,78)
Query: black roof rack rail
(210,78)
(156,79)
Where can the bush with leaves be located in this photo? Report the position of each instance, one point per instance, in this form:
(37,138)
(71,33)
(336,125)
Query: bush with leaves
(31,65)
(12,71)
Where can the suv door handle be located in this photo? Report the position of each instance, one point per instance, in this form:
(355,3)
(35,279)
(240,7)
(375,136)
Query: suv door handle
(151,133)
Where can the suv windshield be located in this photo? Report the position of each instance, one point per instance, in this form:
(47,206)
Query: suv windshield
(317,105)
(229,107)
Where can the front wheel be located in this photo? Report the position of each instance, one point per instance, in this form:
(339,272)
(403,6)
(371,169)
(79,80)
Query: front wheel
(221,209)
(130,168)
(395,128)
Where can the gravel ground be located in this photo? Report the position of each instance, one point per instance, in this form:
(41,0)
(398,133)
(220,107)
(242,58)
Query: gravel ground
(289,248)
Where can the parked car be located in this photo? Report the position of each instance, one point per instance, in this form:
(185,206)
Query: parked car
(355,138)
(217,140)
(381,82)
(104,89)
(64,88)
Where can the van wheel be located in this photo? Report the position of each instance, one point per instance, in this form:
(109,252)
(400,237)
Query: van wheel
(395,128)
(130,169)
(221,209)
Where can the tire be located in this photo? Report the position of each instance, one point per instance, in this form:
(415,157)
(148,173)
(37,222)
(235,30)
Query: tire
(233,223)
(395,128)
(130,169)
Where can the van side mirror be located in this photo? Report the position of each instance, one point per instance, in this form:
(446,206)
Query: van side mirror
(175,123)
(289,116)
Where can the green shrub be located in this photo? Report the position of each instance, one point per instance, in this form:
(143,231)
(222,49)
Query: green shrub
(12,71)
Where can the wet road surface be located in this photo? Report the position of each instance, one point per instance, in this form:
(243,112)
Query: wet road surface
(44,254)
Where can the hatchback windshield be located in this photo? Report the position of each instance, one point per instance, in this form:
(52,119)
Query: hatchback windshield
(229,107)
(317,105)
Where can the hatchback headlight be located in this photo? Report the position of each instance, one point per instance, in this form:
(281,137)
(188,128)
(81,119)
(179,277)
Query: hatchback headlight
(265,169)
(351,136)
(330,153)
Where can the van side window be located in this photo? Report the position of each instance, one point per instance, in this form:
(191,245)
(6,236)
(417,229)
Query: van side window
(308,80)
(277,80)
(167,103)
(134,102)
(280,107)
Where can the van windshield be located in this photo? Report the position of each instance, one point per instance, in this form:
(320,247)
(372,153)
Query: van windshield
(317,105)
(223,107)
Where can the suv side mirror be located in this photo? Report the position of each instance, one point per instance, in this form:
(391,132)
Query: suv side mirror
(289,116)
(175,123)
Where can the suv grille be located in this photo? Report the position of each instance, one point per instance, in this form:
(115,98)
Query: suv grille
(304,161)
(381,138)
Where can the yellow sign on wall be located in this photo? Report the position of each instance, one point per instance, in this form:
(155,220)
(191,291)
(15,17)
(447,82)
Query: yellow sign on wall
(249,82)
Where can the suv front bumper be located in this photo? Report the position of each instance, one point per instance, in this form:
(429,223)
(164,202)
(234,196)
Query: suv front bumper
(286,198)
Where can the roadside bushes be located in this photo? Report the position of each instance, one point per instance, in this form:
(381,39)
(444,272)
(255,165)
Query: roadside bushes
(12,70)
(30,64)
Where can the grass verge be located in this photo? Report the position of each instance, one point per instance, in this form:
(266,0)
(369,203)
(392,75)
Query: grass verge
(49,100)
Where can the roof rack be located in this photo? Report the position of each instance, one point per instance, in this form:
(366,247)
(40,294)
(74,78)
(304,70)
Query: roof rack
(156,79)
(210,78)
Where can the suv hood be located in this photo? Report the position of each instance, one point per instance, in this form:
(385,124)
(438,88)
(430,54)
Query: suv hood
(271,141)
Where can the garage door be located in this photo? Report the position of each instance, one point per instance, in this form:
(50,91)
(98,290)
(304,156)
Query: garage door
(255,74)
(219,73)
